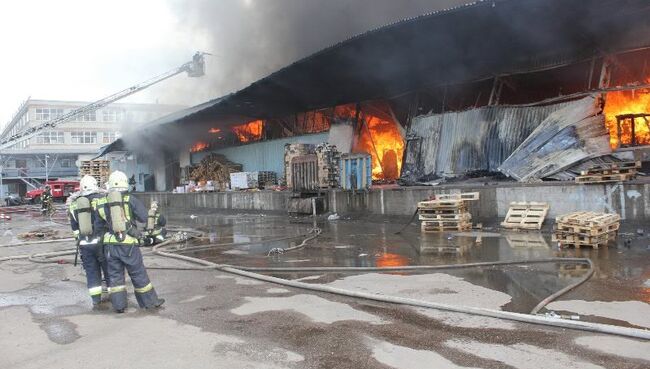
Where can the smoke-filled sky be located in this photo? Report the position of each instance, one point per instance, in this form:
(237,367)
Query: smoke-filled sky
(88,49)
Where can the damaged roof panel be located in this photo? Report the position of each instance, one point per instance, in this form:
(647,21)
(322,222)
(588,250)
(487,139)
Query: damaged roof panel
(479,139)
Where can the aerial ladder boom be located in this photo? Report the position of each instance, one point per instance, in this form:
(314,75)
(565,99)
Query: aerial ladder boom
(194,68)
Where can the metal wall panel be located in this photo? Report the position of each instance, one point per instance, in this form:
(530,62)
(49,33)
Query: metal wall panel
(454,143)
(263,156)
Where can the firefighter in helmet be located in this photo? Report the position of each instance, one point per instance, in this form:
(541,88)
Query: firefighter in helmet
(155,230)
(82,219)
(47,207)
(119,213)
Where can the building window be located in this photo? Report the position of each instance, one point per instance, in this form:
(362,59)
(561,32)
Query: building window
(87,117)
(66,163)
(50,137)
(84,137)
(112,115)
(108,137)
(45,114)
(39,163)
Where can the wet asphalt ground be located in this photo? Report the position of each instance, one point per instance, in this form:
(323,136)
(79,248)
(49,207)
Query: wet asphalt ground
(213,319)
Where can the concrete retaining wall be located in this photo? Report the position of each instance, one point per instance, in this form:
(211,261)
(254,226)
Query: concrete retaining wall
(630,200)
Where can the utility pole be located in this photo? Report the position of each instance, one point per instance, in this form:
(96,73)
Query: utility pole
(46,167)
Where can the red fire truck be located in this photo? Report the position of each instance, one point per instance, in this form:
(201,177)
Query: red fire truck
(61,189)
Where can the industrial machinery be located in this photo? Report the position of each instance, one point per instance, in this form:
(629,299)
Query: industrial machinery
(194,68)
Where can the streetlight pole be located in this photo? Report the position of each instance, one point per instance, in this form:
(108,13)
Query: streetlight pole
(46,168)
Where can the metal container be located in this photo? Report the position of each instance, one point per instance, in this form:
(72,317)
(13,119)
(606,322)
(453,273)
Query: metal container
(304,173)
(356,171)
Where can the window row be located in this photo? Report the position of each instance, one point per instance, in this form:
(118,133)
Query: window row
(107,115)
(76,137)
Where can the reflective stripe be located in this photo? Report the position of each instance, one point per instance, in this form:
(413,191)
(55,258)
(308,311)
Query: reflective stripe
(110,238)
(95,291)
(127,207)
(144,289)
(116,289)
(98,205)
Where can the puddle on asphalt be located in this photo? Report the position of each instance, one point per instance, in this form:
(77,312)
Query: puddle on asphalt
(366,244)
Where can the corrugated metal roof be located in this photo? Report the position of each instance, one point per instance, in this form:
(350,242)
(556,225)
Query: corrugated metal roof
(479,139)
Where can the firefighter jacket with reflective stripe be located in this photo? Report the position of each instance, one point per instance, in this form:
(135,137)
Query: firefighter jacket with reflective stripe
(134,211)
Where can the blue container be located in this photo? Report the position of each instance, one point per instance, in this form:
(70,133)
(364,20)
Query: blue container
(356,171)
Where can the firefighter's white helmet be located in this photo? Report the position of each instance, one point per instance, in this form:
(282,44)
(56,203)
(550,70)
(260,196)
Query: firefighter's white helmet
(88,185)
(118,181)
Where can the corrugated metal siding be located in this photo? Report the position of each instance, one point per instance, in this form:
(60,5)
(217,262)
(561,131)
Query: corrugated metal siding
(478,139)
(266,155)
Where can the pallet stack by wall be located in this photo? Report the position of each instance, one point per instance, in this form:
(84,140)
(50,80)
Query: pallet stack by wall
(100,169)
(585,228)
(611,172)
(447,212)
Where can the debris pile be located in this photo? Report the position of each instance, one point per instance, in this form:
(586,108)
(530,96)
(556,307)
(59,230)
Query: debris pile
(585,228)
(215,168)
(40,234)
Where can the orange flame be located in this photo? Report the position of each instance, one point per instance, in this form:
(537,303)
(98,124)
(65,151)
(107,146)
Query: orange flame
(251,131)
(380,138)
(199,146)
(628,102)
(214,130)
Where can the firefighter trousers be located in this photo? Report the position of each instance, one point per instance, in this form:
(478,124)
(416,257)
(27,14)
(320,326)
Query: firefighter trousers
(94,264)
(129,257)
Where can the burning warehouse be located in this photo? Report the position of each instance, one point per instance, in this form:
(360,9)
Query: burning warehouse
(533,90)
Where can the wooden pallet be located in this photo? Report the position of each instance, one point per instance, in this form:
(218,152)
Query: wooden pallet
(605,178)
(426,227)
(588,219)
(466,196)
(442,204)
(571,238)
(449,216)
(623,167)
(525,215)
(443,211)
(563,228)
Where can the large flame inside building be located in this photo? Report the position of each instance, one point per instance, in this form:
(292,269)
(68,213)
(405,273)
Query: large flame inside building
(248,132)
(378,136)
(628,102)
(199,146)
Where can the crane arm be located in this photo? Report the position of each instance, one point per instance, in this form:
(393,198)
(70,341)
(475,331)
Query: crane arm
(193,69)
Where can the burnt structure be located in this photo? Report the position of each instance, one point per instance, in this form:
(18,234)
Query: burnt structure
(466,86)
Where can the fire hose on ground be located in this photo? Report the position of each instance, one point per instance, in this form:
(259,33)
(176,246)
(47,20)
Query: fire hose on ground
(499,314)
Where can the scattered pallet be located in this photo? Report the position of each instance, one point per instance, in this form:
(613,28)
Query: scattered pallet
(586,229)
(525,215)
(612,172)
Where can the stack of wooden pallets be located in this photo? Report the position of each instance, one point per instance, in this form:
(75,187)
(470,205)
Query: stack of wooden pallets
(448,212)
(525,215)
(100,169)
(585,228)
(611,172)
